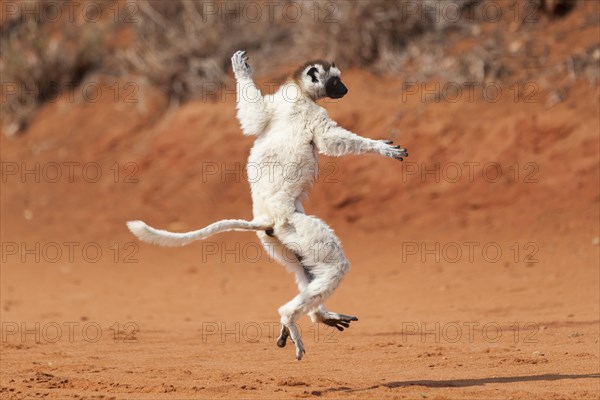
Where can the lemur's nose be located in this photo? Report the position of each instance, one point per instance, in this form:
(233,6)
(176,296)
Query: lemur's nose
(343,89)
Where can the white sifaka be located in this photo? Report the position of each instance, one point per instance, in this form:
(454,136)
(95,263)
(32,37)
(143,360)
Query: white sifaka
(290,129)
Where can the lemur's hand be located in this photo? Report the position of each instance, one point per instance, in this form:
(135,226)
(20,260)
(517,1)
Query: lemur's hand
(241,69)
(395,152)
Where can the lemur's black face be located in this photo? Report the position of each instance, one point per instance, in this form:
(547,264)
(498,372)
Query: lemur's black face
(334,88)
(321,79)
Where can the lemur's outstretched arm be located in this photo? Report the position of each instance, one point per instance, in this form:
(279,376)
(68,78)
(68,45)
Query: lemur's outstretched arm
(251,110)
(333,140)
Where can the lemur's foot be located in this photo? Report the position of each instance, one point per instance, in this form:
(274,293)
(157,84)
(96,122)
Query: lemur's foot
(240,65)
(283,336)
(282,341)
(338,321)
(395,152)
(299,350)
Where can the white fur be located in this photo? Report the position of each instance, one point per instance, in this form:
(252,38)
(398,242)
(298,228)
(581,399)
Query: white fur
(290,129)
(169,239)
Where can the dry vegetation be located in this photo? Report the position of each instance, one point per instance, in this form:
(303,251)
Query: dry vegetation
(178,46)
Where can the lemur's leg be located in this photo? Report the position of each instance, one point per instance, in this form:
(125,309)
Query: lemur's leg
(251,110)
(291,261)
(319,314)
(321,256)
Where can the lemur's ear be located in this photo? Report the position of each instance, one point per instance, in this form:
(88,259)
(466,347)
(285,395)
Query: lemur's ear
(313,74)
(333,65)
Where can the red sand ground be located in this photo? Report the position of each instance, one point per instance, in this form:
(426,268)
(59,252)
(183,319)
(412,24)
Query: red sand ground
(199,321)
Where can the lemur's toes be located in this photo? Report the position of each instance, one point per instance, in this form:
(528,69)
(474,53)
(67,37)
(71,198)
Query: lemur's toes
(340,322)
(344,317)
(340,326)
(282,339)
(388,141)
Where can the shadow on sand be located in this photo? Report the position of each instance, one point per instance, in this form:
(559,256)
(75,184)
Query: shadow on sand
(468,382)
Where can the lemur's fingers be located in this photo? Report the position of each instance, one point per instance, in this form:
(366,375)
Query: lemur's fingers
(390,142)
(395,152)
(238,54)
(399,148)
(241,68)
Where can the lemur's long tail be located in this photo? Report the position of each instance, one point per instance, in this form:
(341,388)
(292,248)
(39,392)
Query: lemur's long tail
(160,237)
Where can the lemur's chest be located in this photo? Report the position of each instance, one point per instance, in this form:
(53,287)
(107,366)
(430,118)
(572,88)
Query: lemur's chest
(291,135)
(290,130)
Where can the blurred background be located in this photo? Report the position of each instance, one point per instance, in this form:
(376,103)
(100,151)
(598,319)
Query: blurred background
(120,110)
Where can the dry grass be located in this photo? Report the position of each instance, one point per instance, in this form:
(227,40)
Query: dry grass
(179,46)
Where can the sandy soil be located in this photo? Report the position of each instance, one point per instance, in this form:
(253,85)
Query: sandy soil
(472,283)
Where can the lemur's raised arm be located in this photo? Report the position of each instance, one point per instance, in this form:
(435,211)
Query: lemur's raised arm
(251,110)
(333,140)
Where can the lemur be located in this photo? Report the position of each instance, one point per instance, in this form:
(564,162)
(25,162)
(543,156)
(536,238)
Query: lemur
(290,129)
